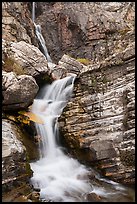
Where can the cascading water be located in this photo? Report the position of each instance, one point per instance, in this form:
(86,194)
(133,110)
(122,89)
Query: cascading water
(59,177)
(40,36)
(33,11)
(56,174)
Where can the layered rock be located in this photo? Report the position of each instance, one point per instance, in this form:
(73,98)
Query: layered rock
(99,122)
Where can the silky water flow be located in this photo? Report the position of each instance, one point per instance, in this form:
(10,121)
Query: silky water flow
(59,177)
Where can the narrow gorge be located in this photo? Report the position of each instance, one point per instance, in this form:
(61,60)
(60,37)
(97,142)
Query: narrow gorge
(68,102)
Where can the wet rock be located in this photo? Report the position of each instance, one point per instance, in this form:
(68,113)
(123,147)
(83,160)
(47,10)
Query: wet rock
(93,197)
(34,196)
(16,90)
(16,194)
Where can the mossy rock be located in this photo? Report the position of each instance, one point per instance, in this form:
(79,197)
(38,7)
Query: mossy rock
(11,65)
(84,61)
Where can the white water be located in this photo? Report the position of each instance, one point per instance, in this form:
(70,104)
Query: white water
(40,36)
(57,175)
(33,11)
(42,42)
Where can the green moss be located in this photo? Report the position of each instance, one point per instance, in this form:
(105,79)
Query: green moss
(28,169)
(11,65)
(84,61)
(46,79)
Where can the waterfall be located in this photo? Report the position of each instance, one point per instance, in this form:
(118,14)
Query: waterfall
(33,11)
(56,174)
(49,108)
(40,36)
(59,177)
(42,42)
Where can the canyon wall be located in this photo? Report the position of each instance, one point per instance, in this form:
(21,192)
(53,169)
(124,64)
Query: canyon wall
(92,30)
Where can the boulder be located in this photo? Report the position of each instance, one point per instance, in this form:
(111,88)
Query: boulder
(24,58)
(103,149)
(18,91)
(71,64)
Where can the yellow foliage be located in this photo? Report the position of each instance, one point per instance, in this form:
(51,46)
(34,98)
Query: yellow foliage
(23,120)
(31,116)
(10,117)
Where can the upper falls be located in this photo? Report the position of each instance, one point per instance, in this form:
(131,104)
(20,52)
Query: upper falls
(40,36)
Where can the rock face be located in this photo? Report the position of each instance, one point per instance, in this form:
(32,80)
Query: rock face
(15,167)
(18,91)
(99,122)
(16,23)
(92,30)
